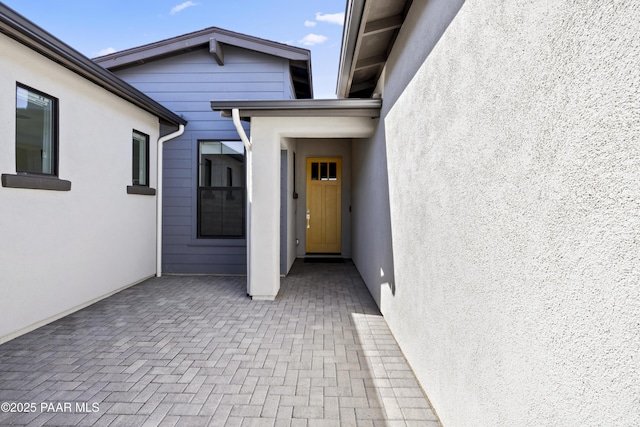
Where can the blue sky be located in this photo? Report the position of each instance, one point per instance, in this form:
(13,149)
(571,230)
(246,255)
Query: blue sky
(96,27)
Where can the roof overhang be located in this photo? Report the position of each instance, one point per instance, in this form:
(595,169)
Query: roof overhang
(301,108)
(214,39)
(27,33)
(371,28)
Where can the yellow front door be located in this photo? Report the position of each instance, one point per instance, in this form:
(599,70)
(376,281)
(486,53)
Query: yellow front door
(324,177)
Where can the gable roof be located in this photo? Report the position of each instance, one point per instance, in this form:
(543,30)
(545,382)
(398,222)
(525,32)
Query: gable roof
(214,39)
(29,34)
(370,30)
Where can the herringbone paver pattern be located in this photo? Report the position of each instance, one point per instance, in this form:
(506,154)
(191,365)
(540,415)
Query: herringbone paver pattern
(196,351)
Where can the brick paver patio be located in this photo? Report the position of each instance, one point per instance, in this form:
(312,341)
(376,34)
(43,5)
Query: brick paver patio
(190,351)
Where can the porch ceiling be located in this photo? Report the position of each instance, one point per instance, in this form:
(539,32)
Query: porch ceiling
(371,28)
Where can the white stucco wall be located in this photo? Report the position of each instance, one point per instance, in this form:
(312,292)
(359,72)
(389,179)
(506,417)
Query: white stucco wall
(61,250)
(371,225)
(514,176)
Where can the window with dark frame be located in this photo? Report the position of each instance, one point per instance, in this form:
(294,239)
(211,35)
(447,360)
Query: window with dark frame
(36,132)
(221,189)
(140,159)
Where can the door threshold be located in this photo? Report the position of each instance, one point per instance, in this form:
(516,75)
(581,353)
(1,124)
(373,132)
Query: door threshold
(320,258)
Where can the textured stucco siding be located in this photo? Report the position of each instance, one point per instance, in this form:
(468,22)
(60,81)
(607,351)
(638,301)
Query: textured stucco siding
(371,225)
(514,184)
(62,250)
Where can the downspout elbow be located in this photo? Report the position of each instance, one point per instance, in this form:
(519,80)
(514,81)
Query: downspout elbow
(170,136)
(235,115)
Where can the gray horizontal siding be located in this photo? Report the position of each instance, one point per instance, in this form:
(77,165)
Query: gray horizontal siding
(180,220)
(205,268)
(177,211)
(177,173)
(207,88)
(169,242)
(186,84)
(176,163)
(205,127)
(196,62)
(205,78)
(214,250)
(201,259)
(211,119)
(177,202)
(224,95)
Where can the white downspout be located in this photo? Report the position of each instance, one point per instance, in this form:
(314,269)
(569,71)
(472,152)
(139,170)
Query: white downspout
(161,141)
(235,114)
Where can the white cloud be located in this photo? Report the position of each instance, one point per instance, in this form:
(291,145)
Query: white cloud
(313,39)
(332,18)
(310,23)
(106,51)
(182,6)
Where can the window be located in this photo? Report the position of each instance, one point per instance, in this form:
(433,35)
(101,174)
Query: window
(36,143)
(221,189)
(140,166)
(324,171)
(36,132)
(140,159)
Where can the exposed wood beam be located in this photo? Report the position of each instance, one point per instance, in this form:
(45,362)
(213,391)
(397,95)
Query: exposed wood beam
(382,25)
(215,49)
(299,79)
(363,86)
(372,61)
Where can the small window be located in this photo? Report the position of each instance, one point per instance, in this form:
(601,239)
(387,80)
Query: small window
(333,174)
(324,171)
(36,132)
(140,159)
(221,189)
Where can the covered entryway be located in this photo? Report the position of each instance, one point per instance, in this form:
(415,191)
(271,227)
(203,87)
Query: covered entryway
(277,126)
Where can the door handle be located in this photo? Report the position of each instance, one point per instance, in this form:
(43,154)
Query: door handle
(308,218)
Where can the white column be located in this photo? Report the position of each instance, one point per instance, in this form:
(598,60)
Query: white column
(264,221)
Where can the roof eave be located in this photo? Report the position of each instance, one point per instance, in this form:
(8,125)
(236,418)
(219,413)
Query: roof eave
(197,39)
(212,38)
(369,36)
(301,108)
(354,10)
